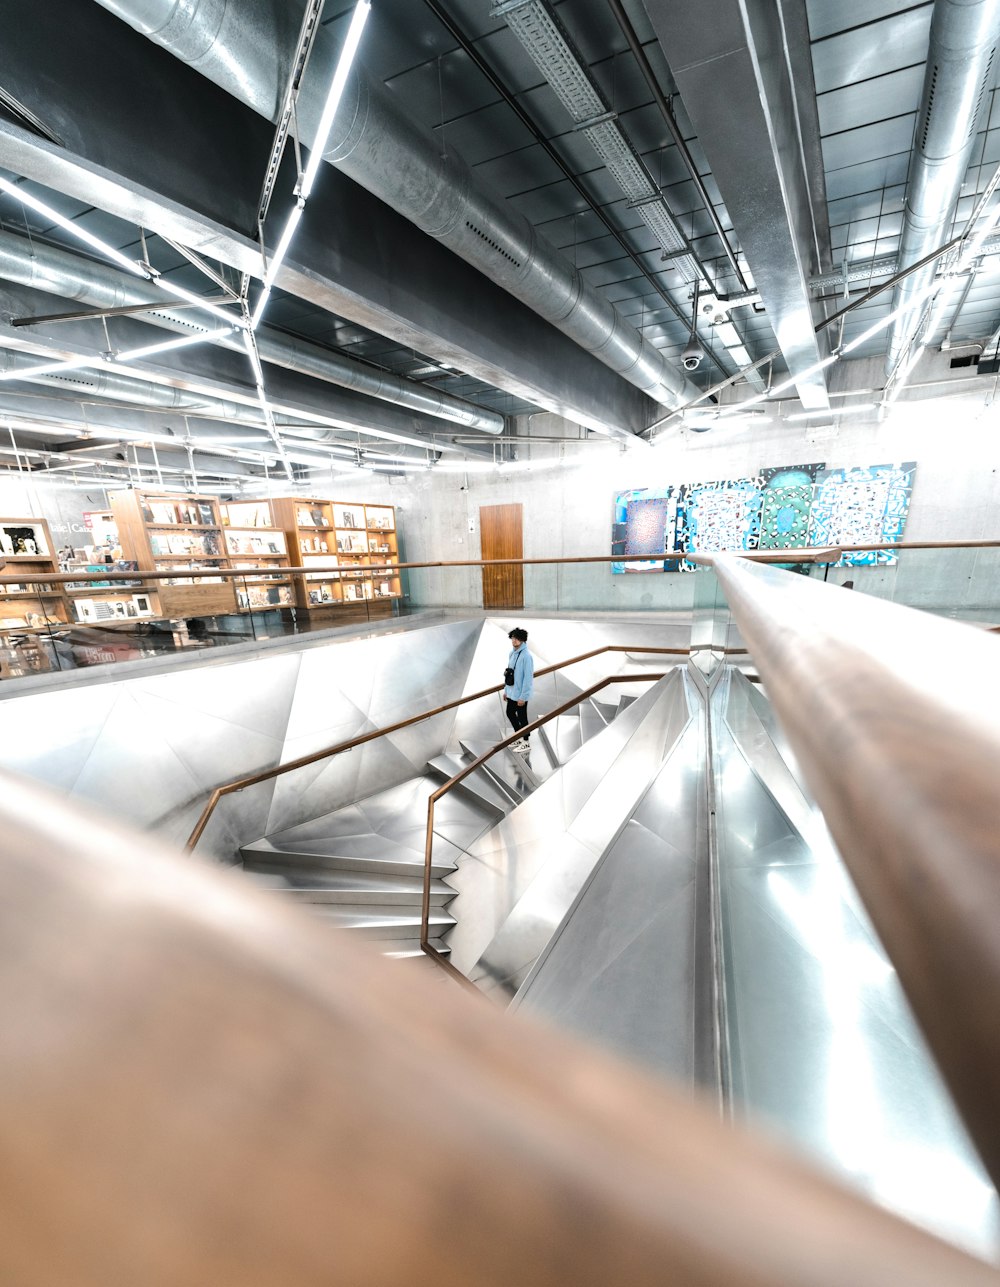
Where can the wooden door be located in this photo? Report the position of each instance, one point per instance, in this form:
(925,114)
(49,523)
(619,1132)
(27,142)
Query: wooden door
(500,533)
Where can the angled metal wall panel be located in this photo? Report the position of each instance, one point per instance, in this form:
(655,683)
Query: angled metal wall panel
(630,966)
(516,885)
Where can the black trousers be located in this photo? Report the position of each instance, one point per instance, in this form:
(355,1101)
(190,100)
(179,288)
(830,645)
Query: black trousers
(518,715)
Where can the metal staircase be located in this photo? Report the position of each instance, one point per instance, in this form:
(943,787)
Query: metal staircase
(360,868)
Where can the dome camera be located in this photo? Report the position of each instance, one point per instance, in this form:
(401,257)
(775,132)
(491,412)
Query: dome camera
(693,354)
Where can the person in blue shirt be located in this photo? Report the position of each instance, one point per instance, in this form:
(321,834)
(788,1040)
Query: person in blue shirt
(519,682)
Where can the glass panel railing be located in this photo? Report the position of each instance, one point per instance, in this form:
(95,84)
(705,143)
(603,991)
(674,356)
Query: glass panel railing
(958,582)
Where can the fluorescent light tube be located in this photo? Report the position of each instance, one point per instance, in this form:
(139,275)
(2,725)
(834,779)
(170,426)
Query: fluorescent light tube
(854,409)
(179,292)
(358,20)
(81,234)
(165,346)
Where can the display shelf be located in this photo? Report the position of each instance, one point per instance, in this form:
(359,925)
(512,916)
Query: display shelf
(165,533)
(344,539)
(26,546)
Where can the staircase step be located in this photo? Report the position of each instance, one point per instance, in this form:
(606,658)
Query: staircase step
(479,785)
(625,700)
(591,722)
(308,886)
(567,736)
(504,769)
(342,853)
(544,738)
(381,924)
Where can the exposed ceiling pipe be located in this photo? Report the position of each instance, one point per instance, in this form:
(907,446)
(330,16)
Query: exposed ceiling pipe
(46,268)
(246,50)
(963,41)
(98,383)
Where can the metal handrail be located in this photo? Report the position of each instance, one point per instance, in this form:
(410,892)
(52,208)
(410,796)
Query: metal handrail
(254,779)
(906,774)
(425,907)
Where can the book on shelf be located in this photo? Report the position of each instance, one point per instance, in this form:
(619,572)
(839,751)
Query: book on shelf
(205,516)
(162,512)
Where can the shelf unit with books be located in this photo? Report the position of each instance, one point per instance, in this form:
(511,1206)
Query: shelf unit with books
(180,534)
(342,539)
(258,554)
(383,549)
(27,608)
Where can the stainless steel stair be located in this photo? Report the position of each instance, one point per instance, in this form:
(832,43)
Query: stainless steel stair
(479,784)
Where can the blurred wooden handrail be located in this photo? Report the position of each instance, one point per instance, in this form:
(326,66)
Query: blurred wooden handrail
(238,784)
(894,716)
(202,1086)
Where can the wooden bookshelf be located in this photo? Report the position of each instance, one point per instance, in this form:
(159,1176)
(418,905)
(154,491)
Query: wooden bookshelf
(258,554)
(346,539)
(180,534)
(26,546)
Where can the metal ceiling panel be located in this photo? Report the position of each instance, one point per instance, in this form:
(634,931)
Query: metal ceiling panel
(826,17)
(780,226)
(869,142)
(872,176)
(856,105)
(866,53)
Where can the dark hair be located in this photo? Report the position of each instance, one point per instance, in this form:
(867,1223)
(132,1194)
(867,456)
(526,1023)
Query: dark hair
(518,633)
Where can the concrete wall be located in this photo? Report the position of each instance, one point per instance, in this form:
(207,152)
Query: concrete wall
(567,508)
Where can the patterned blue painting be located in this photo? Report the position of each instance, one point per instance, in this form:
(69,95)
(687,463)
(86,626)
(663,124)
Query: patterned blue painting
(859,505)
(786,505)
(645,522)
(723,515)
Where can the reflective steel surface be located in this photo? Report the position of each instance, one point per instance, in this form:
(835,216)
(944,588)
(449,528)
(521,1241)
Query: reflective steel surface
(823,1046)
(626,966)
(516,885)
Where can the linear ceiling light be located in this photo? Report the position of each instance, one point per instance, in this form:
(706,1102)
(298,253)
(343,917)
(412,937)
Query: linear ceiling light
(351,42)
(124,358)
(179,292)
(95,243)
(308,177)
(855,409)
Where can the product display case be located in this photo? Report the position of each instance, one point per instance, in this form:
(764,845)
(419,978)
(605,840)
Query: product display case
(178,534)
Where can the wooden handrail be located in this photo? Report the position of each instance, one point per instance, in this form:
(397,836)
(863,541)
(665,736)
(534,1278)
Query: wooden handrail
(804,554)
(202,1086)
(894,716)
(254,779)
(425,907)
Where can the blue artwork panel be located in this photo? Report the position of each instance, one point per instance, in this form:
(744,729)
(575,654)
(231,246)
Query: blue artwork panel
(862,505)
(719,516)
(644,522)
(785,506)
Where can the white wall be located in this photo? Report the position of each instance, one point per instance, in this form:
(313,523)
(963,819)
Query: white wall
(567,510)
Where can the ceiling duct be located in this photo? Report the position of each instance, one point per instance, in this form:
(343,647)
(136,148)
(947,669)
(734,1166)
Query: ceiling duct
(32,263)
(550,48)
(963,40)
(247,50)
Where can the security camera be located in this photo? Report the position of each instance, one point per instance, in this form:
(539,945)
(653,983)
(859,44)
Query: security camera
(693,354)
